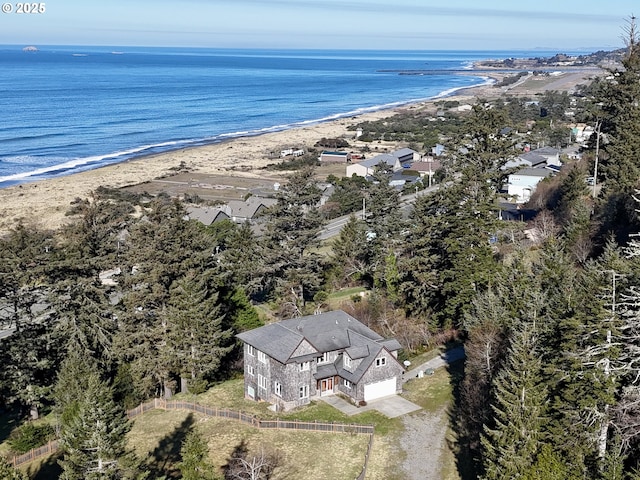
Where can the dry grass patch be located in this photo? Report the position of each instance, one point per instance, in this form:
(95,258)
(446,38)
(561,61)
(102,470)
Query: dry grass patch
(157,437)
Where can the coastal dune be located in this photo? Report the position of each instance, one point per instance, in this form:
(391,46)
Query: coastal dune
(44,203)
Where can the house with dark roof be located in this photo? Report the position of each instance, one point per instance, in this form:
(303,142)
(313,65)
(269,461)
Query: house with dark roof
(293,361)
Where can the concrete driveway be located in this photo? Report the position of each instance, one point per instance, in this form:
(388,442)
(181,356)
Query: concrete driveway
(392,406)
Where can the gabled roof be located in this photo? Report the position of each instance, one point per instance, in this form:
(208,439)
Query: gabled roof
(250,207)
(378,159)
(546,151)
(208,215)
(275,340)
(533,158)
(403,152)
(326,332)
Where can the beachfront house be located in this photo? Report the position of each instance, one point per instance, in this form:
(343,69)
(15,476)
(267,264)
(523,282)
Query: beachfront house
(291,362)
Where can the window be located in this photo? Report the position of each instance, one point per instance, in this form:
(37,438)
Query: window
(380,362)
(346,361)
(304,366)
(262,357)
(324,358)
(347,384)
(304,391)
(250,370)
(277,389)
(262,382)
(250,350)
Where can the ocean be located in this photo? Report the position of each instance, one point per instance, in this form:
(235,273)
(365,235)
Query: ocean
(68,109)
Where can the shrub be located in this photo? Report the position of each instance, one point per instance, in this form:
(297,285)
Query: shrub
(30,436)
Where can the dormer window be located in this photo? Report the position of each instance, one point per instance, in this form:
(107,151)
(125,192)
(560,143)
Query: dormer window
(323,359)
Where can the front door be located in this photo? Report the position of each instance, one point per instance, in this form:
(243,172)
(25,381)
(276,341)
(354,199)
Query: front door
(326,386)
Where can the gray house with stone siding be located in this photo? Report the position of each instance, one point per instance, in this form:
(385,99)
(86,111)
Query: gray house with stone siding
(291,362)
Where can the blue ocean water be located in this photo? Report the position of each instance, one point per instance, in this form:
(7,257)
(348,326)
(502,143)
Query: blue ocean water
(67,109)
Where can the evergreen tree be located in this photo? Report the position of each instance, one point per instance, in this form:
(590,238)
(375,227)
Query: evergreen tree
(292,269)
(164,248)
(196,334)
(619,123)
(519,409)
(194,465)
(350,253)
(452,227)
(93,440)
(7,472)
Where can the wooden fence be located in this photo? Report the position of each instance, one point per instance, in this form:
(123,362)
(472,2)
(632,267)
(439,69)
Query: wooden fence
(159,403)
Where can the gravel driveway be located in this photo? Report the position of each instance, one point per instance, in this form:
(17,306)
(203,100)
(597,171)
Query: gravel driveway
(422,441)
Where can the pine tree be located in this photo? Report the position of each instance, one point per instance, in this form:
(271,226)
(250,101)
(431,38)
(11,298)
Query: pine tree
(164,247)
(93,440)
(196,335)
(7,472)
(619,141)
(452,227)
(519,409)
(194,465)
(350,253)
(292,269)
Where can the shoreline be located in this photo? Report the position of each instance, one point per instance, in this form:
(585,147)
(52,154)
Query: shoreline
(94,162)
(44,202)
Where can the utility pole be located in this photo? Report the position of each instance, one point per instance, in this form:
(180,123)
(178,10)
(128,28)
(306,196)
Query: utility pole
(595,165)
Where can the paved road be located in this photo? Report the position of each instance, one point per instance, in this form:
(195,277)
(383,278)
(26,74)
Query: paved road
(334,226)
(443,359)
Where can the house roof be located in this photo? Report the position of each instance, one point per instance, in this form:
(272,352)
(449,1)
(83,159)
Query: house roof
(425,166)
(250,207)
(546,151)
(403,152)
(208,215)
(533,158)
(382,158)
(327,152)
(326,332)
(533,172)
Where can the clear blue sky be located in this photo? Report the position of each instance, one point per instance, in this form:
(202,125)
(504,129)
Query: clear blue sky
(391,24)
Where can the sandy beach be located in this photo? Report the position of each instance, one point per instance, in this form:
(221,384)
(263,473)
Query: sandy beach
(44,203)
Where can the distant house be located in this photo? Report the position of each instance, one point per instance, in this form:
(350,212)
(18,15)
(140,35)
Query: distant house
(238,211)
(426,167)
(335,157)
(291,362)
(209,215)
(541,157)
(367,167)
(523,183)
(249,209)
(406,156)
(437,150)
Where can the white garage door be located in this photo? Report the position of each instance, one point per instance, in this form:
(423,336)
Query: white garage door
(380,389)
